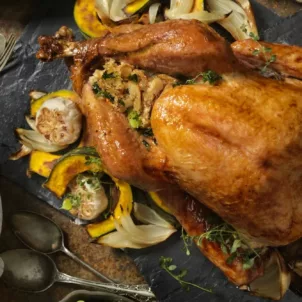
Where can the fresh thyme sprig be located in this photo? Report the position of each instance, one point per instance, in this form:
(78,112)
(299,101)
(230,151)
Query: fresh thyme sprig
(166,264)
(229,241)
(261,50)
(187,240)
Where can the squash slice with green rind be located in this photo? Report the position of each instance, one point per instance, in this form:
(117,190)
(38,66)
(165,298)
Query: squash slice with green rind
(69,166)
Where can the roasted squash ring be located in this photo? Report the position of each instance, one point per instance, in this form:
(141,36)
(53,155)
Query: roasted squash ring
(70,165)
(87,20)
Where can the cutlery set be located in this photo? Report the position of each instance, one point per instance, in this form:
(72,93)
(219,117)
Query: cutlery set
(33,270)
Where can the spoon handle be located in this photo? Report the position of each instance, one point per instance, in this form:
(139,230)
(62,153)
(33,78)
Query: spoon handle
(140,292)
(78,260)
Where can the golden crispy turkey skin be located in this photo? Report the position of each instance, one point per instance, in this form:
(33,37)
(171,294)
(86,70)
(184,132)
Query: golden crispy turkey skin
(236,147)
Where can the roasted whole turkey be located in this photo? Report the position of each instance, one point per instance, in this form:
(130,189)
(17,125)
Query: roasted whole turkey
(234,145)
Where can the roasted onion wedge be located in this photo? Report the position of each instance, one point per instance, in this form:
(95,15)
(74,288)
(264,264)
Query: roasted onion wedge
(275,281)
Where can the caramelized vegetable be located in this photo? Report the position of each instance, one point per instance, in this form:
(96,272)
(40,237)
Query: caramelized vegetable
(37,103)
(135,6)
(86,18)
(123,207)
(159,202)
(70,165)
(42,162)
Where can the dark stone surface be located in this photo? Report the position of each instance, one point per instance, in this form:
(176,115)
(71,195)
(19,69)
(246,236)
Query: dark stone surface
(26,73)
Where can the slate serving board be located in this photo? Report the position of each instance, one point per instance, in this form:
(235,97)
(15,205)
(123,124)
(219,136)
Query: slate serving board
(25,73)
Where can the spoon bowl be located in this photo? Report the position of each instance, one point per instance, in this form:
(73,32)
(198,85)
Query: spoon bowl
(37,232)
(27,270)
(42,235)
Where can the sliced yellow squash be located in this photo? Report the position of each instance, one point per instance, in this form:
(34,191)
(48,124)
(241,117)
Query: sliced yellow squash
(86,18)
(159,202)
(123,206)
(135,6)
(36,104)
(42,162)
(70,165)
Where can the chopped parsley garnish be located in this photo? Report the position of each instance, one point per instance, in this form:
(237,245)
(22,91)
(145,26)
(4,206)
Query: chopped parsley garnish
(166,264)
(146,144)
(134,119)
(133,78)
(107,75)
(93,160)
(71,201)
(103,93)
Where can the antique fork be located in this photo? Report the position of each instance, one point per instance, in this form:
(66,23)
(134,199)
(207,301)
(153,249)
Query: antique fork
(9,47)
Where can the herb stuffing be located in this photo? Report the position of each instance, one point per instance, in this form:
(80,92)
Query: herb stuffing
(102,93)
(166,264)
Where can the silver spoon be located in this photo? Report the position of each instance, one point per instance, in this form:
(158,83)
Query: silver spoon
(35,272)
(43,235)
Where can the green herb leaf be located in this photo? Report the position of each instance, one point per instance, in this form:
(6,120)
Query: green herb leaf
(93,160)
(235,246)
(107,75)
(133,78)
(248,263)
(243,27)
(224,249)
(134,119)
(254,36)
(172,267)
(66,205)
(256,52)
(267,49)
(72,199)
(211,76)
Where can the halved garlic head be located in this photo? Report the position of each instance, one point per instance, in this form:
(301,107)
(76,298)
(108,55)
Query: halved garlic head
(87,198)
(60,121)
